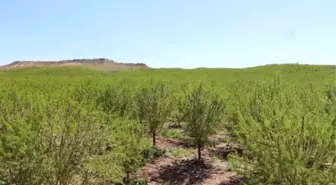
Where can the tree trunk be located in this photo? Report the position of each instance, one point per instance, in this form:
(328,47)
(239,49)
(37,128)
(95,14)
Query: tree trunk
(154,138)
(127,178)
(199,152)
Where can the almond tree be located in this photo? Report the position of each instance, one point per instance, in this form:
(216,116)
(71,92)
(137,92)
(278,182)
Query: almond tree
(203,112)
(154,106)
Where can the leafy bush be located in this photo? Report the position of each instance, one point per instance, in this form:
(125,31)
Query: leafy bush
(203,111)
(118,99)
(152,153)
(287,136)
(139,182)
(154,105)
(64,142)
(174,133)
(131,143)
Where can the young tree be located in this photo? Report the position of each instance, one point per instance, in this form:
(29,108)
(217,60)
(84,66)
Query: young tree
(129,140)
(203,112)
(154,105)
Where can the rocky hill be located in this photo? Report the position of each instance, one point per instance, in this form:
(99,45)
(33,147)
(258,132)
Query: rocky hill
(96,63)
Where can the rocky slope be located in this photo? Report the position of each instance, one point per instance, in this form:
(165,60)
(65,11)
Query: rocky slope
(98,63)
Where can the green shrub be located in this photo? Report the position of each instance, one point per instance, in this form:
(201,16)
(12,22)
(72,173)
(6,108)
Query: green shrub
(149,154)
(203,111)
(61,141)
(287,136)
(118,99)
(154,105)
(130,142)
(174,133)
(139,182)
(180,152)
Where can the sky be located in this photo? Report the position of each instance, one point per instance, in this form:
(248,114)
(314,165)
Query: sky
(170,33)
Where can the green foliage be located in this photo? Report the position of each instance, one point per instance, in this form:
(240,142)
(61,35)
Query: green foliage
(139,182)
(174,133)
(129,139)
(49,142)
(203,112)
(77,126)
(119,99)
(149,154)
(180,152)
(331,100)
(61,141)
(154,105)
(287,136)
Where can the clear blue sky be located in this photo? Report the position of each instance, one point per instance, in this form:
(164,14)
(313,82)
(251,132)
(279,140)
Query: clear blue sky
(170,33)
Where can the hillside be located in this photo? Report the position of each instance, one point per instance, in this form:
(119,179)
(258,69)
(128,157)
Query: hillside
(98,63)
(295,73)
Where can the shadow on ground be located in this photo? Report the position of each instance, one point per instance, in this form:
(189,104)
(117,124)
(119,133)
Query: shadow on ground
(234,181)
(186,172)
(183,143)
(169,142)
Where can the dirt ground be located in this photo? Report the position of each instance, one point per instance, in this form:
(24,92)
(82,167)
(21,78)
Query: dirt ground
(187,170)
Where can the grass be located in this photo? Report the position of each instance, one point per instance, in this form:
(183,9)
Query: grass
(178,152)
(174,133)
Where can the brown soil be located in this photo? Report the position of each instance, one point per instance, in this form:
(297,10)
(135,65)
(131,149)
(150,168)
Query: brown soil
(165,143)
(187,170)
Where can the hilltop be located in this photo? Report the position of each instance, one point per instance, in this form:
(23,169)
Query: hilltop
(96,63)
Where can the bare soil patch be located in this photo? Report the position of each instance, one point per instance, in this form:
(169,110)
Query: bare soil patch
(164,143)
(169,170)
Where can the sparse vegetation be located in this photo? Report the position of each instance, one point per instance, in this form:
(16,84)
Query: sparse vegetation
(101,127)
(174,133)
(180,152)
